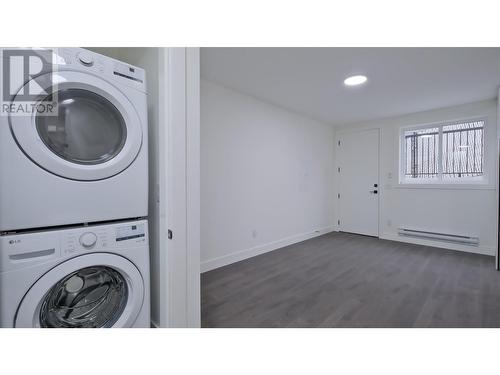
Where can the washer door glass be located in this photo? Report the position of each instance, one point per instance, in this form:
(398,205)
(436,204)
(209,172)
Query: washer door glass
(88,129)
(89,298)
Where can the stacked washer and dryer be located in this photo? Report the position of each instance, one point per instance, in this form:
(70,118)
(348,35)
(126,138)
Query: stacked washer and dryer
(74,199)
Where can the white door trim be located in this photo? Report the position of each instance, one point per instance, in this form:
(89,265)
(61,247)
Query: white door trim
(193,186)
(180,168)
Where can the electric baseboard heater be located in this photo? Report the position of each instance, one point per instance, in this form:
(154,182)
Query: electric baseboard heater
(453,238)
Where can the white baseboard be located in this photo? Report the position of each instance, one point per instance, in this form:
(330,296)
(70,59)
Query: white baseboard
(212,264)
(484,250)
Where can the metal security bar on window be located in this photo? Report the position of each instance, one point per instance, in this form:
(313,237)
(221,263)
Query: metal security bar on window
(422,153)
(450,151)
(463,149)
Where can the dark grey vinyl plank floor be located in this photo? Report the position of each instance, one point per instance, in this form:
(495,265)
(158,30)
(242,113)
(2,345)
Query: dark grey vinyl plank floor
(348,280)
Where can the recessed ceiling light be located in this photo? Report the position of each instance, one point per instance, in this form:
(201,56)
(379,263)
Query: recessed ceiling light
(355,80)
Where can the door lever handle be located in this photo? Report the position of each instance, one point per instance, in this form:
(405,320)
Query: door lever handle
(374,191)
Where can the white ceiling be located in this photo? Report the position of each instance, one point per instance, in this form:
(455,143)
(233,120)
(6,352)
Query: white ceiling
(400,80)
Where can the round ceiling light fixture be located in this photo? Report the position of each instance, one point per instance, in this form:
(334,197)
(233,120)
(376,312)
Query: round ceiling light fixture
(355,80)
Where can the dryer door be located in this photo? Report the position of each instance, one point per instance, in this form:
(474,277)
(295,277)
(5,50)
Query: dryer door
(96,133)
(89,291)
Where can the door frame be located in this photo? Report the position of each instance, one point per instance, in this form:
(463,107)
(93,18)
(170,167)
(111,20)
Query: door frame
(179,165)
(338,135)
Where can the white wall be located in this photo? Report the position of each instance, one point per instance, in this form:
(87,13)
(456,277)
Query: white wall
(266,177)
(457,210)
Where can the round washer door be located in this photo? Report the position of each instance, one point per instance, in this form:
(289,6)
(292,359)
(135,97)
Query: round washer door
(95,135)
(89,291)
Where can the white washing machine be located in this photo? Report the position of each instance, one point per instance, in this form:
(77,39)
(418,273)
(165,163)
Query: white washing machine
(87,164)
(80,277)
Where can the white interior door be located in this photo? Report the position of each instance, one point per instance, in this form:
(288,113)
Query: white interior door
(358,194)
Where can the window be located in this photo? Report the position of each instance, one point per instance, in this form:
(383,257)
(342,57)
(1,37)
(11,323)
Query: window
(449,152)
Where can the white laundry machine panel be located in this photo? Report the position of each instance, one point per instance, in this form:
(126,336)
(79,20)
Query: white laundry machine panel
(88,163)
(81,277)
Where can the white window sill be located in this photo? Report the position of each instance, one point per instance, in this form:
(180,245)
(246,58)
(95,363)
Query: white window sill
(444,186)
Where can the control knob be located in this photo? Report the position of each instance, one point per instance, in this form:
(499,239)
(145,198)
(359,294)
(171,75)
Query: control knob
(86,58)
(88,240)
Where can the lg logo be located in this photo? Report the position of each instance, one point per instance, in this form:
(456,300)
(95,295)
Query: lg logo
(12,242)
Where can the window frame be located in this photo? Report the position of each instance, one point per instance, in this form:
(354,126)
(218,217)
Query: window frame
(439,182)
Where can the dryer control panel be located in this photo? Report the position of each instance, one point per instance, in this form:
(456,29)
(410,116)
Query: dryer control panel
(89,61)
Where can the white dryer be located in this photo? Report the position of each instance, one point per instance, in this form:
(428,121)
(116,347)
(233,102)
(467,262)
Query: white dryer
(81,277)
(87,164)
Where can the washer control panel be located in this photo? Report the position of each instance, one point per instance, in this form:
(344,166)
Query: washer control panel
(129,232)
(84,239)
(102,238)
(21,250)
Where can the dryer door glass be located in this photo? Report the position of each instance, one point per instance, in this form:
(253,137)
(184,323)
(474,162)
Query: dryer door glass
(88,129)
(92,297)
